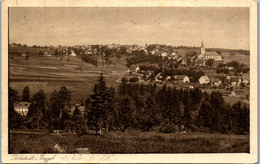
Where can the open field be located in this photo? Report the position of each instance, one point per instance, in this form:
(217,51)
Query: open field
(130,142)
(241,58)
(48,73)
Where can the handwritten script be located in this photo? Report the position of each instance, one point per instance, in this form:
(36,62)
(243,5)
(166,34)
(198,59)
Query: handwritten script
(41,157)
(49,158)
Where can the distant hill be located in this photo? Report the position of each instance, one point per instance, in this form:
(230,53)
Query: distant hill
(244,52)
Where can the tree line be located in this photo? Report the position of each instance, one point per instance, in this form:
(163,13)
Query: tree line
(133,107)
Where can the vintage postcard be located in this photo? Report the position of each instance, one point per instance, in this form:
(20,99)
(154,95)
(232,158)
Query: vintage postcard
(151,81)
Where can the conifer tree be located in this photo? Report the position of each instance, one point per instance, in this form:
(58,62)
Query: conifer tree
(125,109)
(58,103)
(26,94)
(204,118)
(14,119)
(99,105)
(37,109)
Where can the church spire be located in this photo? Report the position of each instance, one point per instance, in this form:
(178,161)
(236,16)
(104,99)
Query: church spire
(202,49)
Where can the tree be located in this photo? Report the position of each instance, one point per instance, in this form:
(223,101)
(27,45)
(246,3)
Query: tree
(99,105)
(27,55)
(38,107)
(26,94)
(125,109)
(58,103)
(204,118)
(187,120)
(150,115)
(56,53)
(41,53)
(124,80)
(15,120)
(209,62)
(240,118)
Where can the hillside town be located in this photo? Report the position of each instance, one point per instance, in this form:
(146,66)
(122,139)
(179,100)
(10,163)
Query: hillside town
(181,67)
(128,80)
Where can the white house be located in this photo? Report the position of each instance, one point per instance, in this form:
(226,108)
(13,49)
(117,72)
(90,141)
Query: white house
(215,81)
(164,54)
(182,79)
(22,107)
(137,69)
(235,80)
(168,78)
(81,109)
(245,79)
(47,54)
(173,54)
(73,54)
(204,80)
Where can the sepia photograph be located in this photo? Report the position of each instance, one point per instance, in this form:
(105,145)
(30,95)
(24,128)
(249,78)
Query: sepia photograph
(128,80)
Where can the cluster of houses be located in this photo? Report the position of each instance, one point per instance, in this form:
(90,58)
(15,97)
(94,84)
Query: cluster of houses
(227,81)
(177,55)
(204,80)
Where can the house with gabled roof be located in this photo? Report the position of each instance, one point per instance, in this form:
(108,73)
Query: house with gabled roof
(22,107)
(204,80)
(245,78)
(80,107)
(215,81)
(181,79)
(235,80)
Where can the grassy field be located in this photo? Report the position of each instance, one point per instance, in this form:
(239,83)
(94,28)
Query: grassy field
(48,73)
(241,58)
(130,142)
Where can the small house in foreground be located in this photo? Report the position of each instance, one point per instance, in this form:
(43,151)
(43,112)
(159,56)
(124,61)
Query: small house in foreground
(22,107)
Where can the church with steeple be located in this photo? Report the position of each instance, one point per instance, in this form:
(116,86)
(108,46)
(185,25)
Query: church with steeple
(209,55)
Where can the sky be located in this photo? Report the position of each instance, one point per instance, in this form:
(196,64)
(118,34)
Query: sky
(219,27)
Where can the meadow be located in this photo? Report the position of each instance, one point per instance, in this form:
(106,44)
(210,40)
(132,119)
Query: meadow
(130,142)
(49,73)
(241,58)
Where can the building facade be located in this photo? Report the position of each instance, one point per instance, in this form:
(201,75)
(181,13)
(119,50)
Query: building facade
(209,55)
(22,107)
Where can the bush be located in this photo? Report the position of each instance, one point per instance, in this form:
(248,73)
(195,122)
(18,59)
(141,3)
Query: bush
(133,79)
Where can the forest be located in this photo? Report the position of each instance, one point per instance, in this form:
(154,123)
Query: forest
(132,107)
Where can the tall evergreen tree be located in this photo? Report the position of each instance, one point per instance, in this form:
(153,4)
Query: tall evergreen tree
(57,104)
(37,110)
(99,105)
(26,94)
(125,110)
(15,120)
(204,118)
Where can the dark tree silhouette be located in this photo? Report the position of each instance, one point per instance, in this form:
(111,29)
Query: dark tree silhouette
(26,94)
(99,105)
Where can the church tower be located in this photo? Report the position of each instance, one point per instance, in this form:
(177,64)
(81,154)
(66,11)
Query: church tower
(202,49)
